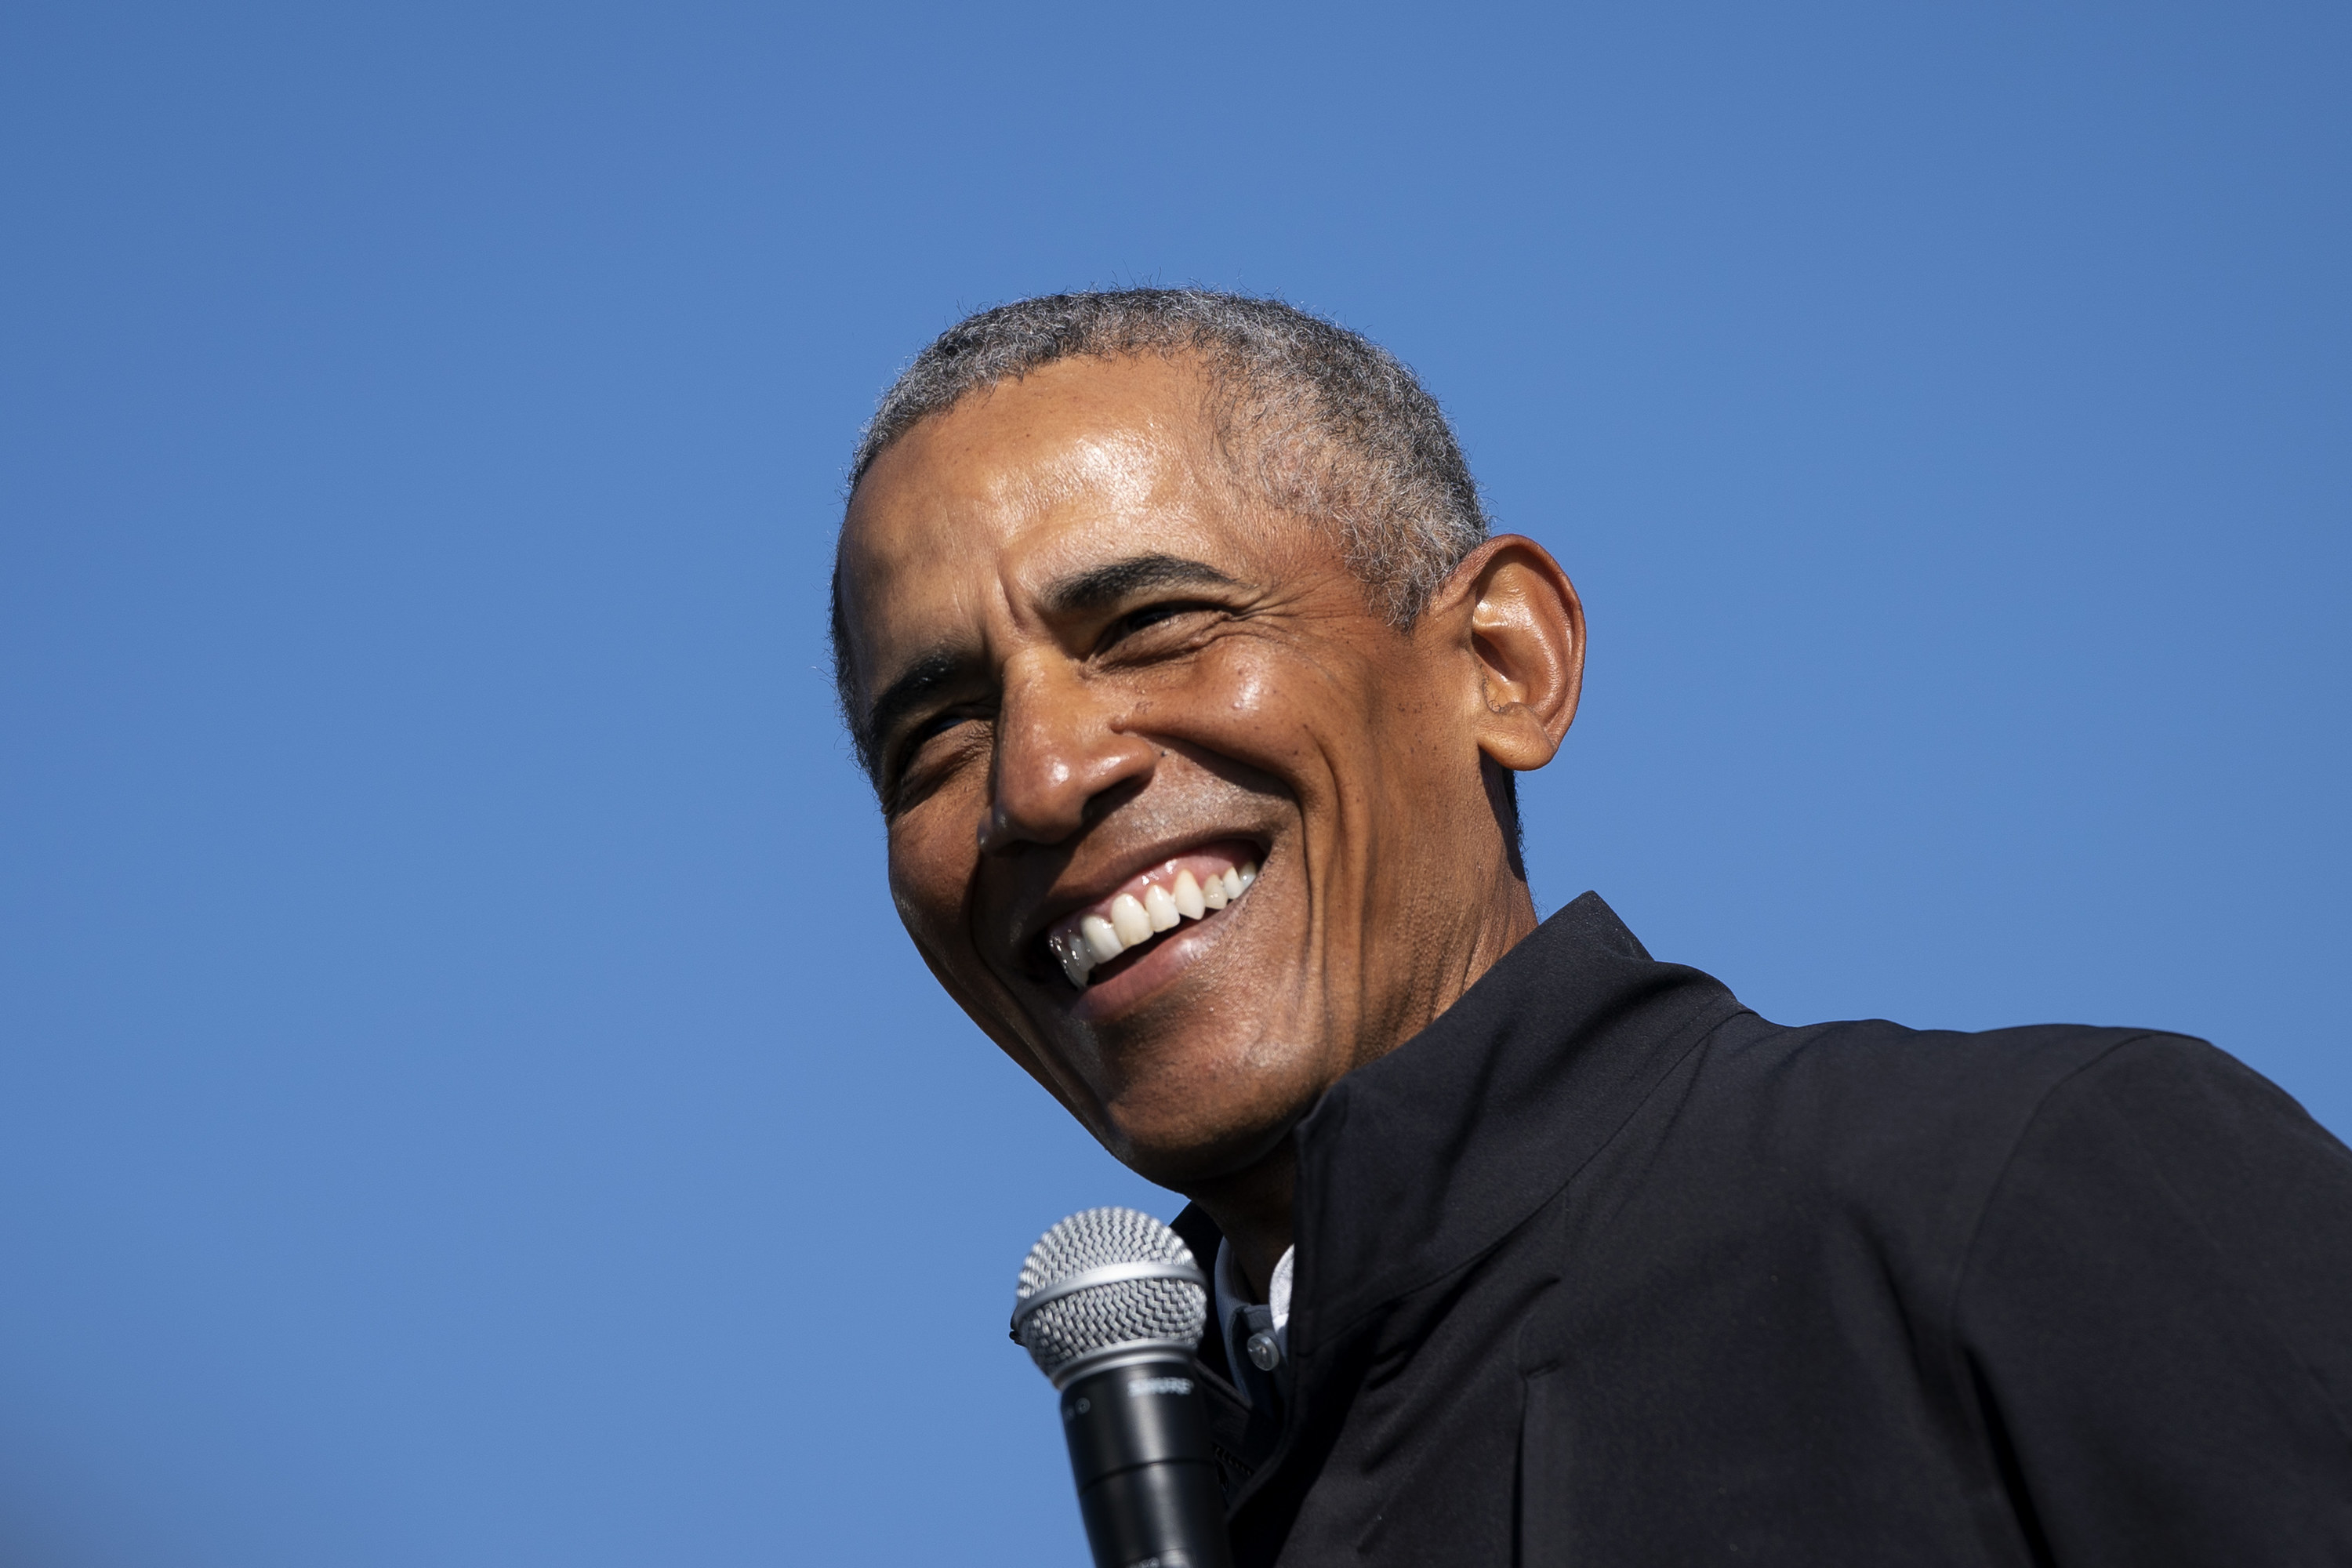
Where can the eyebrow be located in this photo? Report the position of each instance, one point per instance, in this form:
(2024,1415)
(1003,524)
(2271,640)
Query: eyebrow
(1097,586)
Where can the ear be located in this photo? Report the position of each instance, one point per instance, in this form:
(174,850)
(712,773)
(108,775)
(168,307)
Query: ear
(1526,630)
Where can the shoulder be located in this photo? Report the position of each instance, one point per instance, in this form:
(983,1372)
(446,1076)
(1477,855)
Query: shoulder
(2167,1136)
(1858,1095)
(1918,1133)
(1874,1081)
(1947,1133)
(2177,1083)
(1843,1079)
(2166,1262)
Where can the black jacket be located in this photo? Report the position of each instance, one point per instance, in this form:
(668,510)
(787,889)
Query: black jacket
(1602,1268)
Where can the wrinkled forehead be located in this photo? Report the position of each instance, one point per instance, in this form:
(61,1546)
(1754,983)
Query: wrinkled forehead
(962,520)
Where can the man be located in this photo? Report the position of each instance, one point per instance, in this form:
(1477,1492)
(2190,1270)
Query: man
(1193,687)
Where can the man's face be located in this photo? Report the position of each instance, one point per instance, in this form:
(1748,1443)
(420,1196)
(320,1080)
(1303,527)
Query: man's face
(1099,671)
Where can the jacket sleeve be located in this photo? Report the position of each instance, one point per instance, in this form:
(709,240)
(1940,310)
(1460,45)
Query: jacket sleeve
(2156,1309)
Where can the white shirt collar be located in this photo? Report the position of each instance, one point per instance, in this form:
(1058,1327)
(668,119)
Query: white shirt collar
(1232,1294)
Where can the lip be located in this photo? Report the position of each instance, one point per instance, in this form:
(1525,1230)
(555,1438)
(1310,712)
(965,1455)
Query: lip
(1157,967)
(1146,968)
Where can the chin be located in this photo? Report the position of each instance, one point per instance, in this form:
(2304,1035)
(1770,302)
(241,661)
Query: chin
(1179,1136)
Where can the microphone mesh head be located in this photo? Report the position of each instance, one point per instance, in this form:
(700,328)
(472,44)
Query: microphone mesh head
(1127,1311)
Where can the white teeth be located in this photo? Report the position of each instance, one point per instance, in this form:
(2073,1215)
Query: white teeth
(1101,940)
(1187,897)
(1129,920)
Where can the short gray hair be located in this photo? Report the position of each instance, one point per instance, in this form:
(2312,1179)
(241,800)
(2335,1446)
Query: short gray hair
(1322,421)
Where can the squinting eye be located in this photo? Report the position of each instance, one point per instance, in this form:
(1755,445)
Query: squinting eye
(936,724)
(1151,616)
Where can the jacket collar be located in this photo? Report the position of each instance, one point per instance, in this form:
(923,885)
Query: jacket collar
(1415,1164)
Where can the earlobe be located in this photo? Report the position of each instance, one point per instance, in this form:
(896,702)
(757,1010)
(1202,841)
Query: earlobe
(1526,636)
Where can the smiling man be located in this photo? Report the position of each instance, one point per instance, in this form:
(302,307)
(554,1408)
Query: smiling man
(1192,685)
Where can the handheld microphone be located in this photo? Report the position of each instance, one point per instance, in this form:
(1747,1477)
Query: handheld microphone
(1110,1306)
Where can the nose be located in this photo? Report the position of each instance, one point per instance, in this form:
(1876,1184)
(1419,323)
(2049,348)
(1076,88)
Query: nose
(1059,748)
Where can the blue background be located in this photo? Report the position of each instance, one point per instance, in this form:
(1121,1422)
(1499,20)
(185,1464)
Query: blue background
(464,1096)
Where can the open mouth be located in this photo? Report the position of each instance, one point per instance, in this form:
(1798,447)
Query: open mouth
(1110,934)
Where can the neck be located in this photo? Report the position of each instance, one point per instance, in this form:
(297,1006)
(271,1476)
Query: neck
(1252,1207)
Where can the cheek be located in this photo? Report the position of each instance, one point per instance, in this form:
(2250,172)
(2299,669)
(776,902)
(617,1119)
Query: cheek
(1238,681)
(1273,706)
(932,859)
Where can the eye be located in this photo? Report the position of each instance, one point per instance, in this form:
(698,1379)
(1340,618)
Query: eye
(936,724)
(920,734)
(915,766)
(1151,616)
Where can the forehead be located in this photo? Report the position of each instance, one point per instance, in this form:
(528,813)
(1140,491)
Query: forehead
(971,511)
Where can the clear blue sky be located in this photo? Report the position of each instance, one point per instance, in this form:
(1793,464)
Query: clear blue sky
(464,1099)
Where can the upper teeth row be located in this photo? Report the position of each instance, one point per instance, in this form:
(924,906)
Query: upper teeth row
(1129,920)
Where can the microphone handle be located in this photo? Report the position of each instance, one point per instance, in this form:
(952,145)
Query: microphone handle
(1138,1434)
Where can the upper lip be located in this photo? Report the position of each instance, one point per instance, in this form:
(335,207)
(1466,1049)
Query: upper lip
(1062,901)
